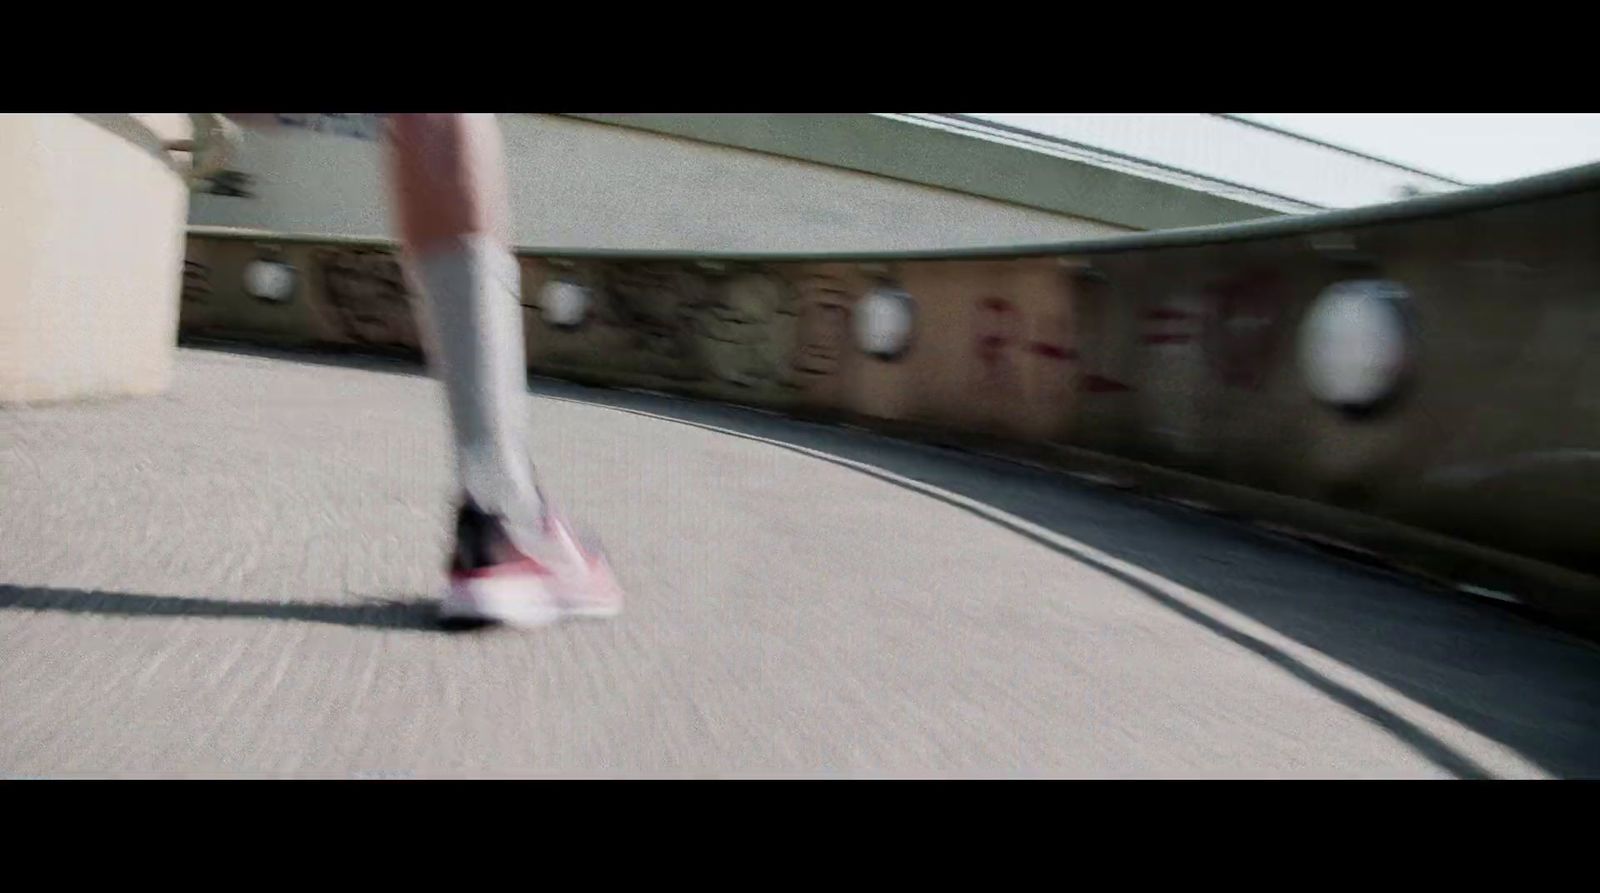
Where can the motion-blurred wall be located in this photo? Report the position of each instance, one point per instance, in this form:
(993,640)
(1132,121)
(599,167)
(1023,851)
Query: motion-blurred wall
(1422,379)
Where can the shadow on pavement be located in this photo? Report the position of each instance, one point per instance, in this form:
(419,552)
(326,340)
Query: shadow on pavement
(406,615)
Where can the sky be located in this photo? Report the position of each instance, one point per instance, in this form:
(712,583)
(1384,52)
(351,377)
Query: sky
(1476,148)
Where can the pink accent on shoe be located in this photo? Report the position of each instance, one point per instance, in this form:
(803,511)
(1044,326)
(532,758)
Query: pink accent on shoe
(523,565)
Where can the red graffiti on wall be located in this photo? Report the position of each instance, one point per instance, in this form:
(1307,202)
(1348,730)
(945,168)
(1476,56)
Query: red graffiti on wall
(1091,308)
(1235,324)
(1053,346)
(1000,347)
(997,328)
(1168,325)
(1241,334)
(1094,383)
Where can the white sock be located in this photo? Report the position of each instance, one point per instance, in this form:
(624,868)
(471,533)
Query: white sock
(473,319)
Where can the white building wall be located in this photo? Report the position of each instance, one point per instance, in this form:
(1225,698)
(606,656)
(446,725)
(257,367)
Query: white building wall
(1232,150)
(91,254)
(580,184)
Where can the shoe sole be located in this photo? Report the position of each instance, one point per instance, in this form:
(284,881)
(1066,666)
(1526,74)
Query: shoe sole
(517,600)
(592,613)
(521,601)
(599,578)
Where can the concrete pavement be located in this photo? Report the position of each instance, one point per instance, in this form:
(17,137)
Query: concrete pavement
(233,579)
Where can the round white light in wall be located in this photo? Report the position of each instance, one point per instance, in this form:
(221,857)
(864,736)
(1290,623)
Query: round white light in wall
(884,322)
(563,304)
(1355,344)
(269,280)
